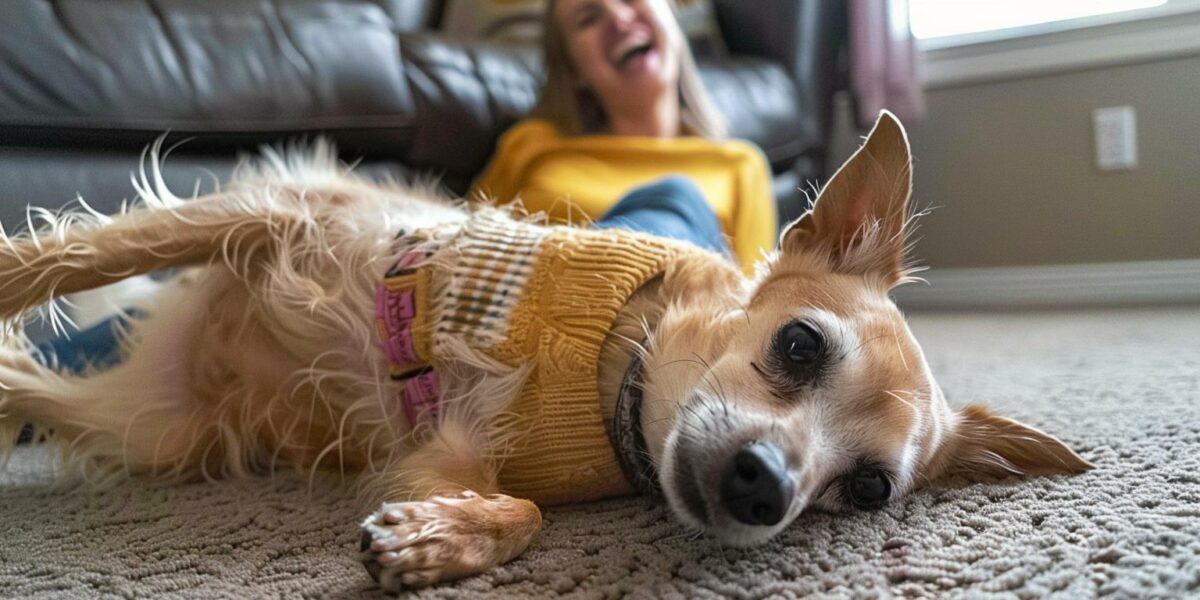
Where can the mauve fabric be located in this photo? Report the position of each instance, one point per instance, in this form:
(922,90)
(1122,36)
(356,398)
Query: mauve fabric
(883,61)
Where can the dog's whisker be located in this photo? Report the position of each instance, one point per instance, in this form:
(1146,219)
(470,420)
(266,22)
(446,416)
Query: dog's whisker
(896,395)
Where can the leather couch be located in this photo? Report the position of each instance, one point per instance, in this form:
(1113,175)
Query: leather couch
(86,85)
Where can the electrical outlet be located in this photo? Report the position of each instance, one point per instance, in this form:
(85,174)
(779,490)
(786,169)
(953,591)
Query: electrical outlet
(1115,130)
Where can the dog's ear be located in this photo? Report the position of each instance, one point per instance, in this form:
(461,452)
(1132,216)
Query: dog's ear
(983,445)
(857,222)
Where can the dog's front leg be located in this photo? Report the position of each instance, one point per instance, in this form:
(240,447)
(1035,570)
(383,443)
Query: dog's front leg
(447,520)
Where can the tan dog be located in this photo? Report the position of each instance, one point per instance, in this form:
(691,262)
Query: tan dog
(745,402)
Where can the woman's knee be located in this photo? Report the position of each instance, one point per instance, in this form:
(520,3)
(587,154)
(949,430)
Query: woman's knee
(676,194)
(673,206)
(677,186)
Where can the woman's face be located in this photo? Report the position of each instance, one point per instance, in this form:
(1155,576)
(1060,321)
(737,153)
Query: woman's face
(625,51)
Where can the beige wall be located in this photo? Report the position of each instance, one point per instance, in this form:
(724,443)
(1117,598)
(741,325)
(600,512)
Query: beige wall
(1010,164)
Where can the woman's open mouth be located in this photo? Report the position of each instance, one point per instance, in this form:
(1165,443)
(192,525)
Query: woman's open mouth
(634,51)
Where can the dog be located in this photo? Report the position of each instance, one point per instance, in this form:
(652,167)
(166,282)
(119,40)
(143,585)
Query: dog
(470,364)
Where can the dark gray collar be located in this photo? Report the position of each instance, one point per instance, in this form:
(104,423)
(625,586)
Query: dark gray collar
(628,441)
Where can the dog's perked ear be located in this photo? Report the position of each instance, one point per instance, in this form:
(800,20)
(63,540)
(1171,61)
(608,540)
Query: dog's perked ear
(983,445)
(857,223)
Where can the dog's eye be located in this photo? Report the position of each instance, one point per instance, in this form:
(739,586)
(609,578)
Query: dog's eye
(795,359)
(799,343)
(867,487)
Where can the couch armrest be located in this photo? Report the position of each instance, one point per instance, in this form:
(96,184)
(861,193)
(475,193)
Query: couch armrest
(806,37)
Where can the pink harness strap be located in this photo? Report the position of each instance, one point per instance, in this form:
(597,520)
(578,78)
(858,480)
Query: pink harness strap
(395,313)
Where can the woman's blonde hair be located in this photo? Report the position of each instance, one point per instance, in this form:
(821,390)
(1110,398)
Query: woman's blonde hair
(575,110)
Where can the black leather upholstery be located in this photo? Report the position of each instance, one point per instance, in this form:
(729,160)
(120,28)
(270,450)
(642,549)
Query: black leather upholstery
(805,37)
(228,71)
(413,15)
(85,85)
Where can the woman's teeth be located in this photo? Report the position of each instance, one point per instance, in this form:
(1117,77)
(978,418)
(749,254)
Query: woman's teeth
(632,53)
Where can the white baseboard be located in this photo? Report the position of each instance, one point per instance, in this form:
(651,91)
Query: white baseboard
(1101,284)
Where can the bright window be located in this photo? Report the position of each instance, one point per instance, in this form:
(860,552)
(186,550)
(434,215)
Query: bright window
(943,18)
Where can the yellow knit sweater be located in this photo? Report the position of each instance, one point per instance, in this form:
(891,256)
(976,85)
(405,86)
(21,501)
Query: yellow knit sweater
(524,296)
(574,179)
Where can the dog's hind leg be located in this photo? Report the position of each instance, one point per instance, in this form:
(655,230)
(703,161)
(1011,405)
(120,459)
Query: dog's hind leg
(77,254)
(109,425)
(149,414)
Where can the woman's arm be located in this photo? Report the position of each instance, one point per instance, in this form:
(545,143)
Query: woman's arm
(755,227)
(495,183)
(502,179)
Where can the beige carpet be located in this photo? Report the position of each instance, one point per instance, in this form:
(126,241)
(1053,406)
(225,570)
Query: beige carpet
(1121,386)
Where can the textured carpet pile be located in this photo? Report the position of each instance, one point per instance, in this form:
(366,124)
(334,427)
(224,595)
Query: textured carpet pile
(1121,386)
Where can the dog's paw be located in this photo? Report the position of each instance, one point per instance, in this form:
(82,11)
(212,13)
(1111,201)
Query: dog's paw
(415,544)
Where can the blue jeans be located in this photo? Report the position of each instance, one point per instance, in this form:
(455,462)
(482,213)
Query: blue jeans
(672,207)
(98,346)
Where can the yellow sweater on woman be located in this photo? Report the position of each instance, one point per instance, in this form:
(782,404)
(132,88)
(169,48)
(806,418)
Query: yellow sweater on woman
(576,179)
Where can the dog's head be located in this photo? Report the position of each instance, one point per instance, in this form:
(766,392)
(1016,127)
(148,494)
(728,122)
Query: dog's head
(814,393)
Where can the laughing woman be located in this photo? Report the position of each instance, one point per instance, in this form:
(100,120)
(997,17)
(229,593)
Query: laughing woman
(626,135)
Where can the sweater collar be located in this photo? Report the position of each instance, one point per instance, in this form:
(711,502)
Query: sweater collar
(628,440)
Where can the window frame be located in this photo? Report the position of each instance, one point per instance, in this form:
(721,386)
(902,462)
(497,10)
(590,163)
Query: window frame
(1153,33)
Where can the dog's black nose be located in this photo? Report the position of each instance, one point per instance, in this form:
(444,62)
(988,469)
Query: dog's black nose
(756,489)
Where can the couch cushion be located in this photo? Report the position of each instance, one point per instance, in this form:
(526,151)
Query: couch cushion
(414,15)
(132,69)
(758,99)
(466,94)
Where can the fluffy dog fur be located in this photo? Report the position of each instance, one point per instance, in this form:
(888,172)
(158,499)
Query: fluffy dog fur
(263,352)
